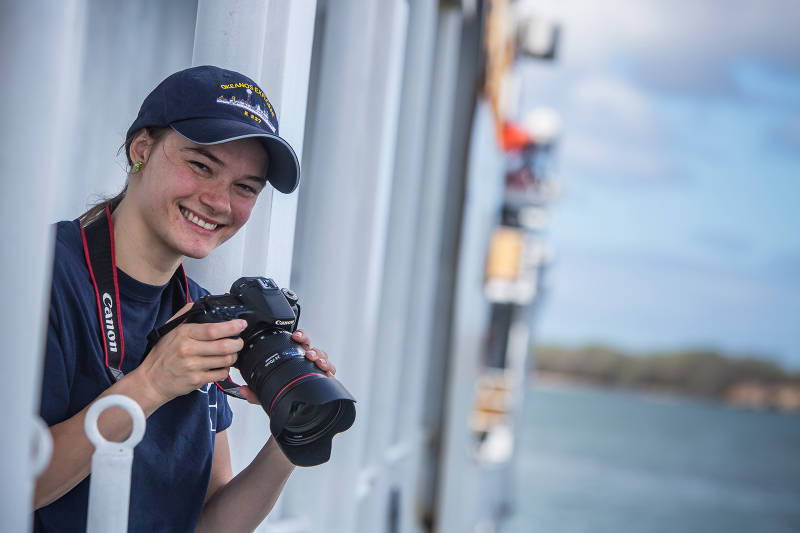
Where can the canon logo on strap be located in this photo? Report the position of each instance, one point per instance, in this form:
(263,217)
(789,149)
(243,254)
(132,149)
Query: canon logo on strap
(108,314)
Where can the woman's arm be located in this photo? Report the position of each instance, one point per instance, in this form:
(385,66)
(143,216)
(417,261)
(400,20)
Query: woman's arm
(72,449)
(241,503)
(188,357)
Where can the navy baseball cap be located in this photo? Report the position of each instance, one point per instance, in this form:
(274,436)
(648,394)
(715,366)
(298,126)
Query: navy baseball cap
(211,105)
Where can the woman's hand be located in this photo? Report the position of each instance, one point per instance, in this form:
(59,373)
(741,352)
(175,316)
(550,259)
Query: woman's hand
(190,356)
(317,355)
(314,354)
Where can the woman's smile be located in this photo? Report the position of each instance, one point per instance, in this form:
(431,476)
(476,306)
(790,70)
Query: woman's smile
(199,221)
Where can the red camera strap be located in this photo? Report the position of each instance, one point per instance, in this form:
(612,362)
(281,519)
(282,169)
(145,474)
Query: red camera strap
(98,249)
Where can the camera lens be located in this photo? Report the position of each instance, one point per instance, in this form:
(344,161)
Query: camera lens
(308,422)
(306,407)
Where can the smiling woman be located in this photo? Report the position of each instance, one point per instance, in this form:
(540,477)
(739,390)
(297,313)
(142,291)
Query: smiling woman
(197,167)
(187,199)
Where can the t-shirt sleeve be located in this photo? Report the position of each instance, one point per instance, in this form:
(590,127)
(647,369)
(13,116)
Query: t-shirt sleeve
(57,375)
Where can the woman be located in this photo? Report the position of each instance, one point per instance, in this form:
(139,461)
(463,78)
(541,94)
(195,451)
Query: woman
(203,147)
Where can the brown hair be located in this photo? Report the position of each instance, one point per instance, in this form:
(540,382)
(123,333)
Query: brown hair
(91,214)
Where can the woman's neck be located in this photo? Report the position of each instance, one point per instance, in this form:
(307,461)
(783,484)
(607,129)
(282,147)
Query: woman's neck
(137,252)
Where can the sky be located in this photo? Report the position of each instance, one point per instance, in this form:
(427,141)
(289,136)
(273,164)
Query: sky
(679,166)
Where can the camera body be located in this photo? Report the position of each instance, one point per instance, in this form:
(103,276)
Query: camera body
(259,301)
(305,406)
(267,309)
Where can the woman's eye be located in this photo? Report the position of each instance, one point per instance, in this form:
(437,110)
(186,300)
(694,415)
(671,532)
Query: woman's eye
(247,188)
(200,166)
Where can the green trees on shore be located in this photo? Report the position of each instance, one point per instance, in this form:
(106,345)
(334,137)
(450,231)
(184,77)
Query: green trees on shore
(701,373)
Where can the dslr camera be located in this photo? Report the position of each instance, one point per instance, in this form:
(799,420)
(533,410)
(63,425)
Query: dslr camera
(306,408)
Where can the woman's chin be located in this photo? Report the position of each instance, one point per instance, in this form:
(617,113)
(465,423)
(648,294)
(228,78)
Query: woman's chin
(197,252)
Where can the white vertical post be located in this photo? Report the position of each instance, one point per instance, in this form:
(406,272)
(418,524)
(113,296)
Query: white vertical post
(397,433)
(425,365)
(271,43)
(375,487)
(285,73)
(37,56)
(231,35)
(127,48)
(342,223)
(43,446)
(458,474)
(110,483)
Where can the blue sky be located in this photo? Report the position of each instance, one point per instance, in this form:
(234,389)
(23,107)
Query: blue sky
(679,162)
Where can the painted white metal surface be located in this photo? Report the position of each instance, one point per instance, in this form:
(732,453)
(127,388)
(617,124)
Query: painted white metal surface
(124,50)
(37,52)
(422,319)
(285,70)
(458,488)
(42,446)
(398,439)
(342,223)
(110,481)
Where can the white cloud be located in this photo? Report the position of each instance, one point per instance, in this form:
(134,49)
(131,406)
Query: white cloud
(604,102)
(677,45)
(607,158)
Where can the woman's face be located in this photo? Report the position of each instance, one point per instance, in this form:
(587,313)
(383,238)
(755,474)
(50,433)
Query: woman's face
(194,197)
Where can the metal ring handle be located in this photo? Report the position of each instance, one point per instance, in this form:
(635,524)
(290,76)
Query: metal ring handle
(42,446)
(114,400)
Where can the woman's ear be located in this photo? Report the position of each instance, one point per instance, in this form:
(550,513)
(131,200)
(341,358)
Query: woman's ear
(140,146)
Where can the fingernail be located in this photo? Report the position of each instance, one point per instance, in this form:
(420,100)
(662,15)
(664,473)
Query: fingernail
(297,334)
(242,324)
(323,363)
(311,354)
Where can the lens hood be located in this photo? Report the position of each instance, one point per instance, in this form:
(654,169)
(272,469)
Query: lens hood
(316,390)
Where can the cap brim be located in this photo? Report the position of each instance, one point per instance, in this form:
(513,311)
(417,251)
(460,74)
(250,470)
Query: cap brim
(284,169)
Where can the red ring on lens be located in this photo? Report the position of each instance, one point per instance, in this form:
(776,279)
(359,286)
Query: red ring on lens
(295,380)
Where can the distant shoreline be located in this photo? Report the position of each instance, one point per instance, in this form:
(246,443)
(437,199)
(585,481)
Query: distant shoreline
(739,382)
(559,380)
(548,381)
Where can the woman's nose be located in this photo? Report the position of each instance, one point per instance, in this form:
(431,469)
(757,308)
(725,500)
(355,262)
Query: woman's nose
(216,196)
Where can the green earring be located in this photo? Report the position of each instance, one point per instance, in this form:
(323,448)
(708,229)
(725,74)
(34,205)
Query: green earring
(138,166)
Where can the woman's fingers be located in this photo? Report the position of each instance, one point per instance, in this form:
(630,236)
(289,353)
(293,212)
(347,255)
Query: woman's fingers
(214,362)
(195,353)
(248,394)
(301,337)
(317,355)
(320,358)
(215,330)
(192,355)
(214,375)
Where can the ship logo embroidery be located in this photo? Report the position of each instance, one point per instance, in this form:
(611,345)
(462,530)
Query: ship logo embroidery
(256,112)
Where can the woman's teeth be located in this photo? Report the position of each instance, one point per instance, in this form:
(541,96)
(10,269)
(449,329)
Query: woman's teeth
(193,218)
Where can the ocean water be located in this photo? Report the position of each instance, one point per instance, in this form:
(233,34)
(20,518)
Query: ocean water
(600,461)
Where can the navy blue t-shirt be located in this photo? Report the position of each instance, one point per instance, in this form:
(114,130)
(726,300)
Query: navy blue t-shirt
(172,463)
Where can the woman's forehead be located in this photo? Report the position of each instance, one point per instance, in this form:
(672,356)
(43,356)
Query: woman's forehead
(247,152)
